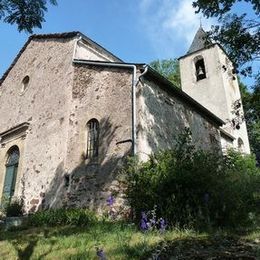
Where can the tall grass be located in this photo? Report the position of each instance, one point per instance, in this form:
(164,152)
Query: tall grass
(118,240)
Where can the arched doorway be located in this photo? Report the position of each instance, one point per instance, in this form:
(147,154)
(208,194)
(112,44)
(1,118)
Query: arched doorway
(11,173)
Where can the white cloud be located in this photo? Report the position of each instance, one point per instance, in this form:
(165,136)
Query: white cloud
(185,22)
(170,25)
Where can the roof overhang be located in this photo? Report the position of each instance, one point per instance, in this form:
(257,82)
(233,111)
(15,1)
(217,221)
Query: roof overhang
(177,92)
(205,48)
(226,135)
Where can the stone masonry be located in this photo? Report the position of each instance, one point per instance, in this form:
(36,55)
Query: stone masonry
(46,118)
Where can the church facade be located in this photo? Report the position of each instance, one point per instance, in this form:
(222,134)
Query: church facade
(71,112)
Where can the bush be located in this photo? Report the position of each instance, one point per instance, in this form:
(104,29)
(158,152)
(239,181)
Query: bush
(55,217)
(196,188)
(14,208)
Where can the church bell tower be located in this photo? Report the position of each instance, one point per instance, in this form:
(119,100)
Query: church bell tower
(208,76)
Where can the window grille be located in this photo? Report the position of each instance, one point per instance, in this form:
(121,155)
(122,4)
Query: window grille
(92,138)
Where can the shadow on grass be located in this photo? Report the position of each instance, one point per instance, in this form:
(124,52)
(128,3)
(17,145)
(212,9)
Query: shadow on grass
(24,240)
(213,247)
(121,243)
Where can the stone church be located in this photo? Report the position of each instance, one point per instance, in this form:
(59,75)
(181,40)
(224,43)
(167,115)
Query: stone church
(71,111)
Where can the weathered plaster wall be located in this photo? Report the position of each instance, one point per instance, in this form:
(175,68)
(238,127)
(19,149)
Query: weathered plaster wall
(45,106)
(218,91)
(162,117)
(86,51)
(226,144)
(230,83)
(209,91)
(104,94)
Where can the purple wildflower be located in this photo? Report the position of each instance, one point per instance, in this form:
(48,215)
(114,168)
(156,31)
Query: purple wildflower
(162,224)
(101,254)
(143,225)
(143,216)
(110,201)
(143,222)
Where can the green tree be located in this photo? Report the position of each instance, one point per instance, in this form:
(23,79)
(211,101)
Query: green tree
(26,14)
(251,104)
(239,34)
(169,68)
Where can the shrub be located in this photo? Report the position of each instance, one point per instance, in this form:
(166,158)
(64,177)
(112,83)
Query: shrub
(55,217)
(14,208)
(196,188)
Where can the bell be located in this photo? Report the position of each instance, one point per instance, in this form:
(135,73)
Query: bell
(200,71)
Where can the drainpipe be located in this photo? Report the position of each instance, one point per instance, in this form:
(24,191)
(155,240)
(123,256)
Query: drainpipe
(134,84)
(134,108)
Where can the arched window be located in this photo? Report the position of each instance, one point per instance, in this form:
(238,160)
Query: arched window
(11,172)
(200,68)
(25,83)
(92,138)
(240,144)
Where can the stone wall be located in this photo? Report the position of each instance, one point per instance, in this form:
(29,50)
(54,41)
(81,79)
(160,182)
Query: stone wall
(55,107)
(162,118)
(104,94)
(44,105)
(47,119)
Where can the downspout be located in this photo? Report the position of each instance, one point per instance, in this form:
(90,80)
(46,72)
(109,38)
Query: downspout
(134,84)
(134,104)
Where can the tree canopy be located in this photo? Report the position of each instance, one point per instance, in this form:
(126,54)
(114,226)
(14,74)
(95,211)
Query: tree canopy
(169,68)
(26,14)
(238,33)
(251,104)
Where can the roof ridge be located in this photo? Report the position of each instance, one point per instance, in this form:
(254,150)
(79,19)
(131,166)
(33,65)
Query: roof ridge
(63,35)
(30,38)
(56,35)
(200,41)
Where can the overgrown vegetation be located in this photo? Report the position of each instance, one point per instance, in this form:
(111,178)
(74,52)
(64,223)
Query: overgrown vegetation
(12,208)
(175,196)
(195,188)
(192,189)
(56,217)
(251,104)
(118,240)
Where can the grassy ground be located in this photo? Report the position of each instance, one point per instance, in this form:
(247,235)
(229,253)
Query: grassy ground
(124,241)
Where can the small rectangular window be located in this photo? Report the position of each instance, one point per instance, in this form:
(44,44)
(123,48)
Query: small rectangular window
(92,139)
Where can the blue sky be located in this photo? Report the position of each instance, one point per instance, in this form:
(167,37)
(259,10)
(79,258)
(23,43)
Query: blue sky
(135,31)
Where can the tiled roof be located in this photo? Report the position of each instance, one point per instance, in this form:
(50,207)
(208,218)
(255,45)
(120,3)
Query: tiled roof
(199,42)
